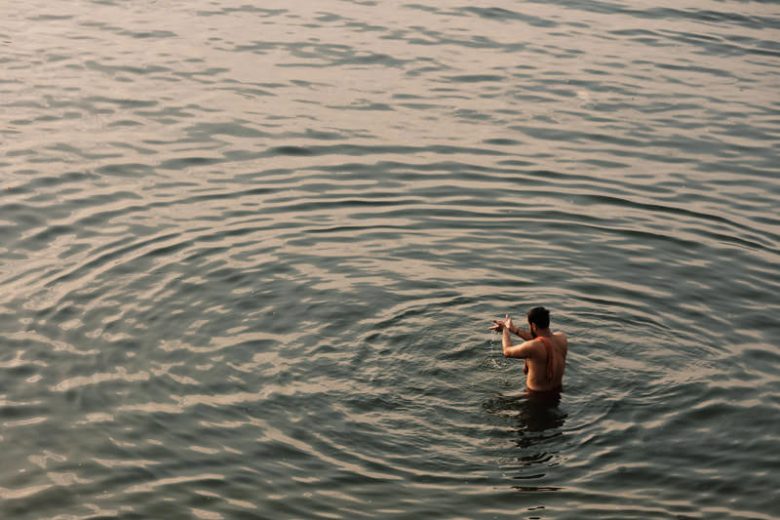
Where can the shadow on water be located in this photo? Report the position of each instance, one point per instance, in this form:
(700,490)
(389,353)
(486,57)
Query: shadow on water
(535,422)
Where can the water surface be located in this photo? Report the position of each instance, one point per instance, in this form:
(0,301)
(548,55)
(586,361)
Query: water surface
(249,254)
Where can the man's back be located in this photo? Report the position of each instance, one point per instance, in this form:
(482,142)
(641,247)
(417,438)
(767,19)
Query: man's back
(547,362)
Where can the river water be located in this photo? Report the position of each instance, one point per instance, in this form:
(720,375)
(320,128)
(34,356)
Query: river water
(249,254)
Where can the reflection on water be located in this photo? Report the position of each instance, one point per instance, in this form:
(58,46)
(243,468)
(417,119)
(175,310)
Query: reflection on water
(535,421)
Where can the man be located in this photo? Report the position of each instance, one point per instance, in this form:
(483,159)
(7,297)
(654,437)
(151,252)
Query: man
(544,351)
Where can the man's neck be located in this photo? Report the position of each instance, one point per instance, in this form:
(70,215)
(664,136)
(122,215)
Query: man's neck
(544,332)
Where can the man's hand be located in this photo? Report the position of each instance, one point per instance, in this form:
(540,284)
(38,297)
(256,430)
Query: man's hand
(508,324)
(500,325)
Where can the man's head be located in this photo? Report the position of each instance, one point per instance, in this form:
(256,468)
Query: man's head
(538,319)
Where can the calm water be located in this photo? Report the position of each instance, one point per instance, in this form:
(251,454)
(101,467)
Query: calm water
(249,252)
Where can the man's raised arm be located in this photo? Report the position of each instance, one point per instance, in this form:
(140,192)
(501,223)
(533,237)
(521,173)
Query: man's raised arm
(520,351)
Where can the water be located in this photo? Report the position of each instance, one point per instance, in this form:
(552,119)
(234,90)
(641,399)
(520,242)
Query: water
(249,253)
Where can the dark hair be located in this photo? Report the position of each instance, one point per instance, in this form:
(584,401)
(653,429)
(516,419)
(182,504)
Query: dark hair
(540,317)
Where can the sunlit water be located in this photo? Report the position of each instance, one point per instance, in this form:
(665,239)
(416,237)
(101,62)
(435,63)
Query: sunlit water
(249,253)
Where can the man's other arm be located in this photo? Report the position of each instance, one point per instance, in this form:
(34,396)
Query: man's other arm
(525,334)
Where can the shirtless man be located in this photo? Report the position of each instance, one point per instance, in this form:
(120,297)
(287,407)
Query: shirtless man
(544,351)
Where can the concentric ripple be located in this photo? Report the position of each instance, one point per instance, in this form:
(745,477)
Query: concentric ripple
(249,255)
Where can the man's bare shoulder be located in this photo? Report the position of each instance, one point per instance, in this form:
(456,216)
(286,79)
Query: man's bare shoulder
(535,348)
(562,337)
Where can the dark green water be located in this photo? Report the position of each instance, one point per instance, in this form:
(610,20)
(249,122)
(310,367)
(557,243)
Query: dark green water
(249,252)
